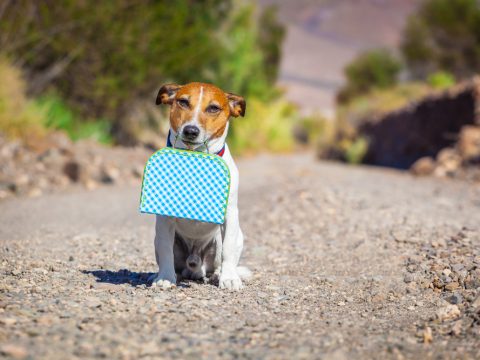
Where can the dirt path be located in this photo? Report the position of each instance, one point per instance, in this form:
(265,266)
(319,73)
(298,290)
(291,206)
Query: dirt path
(347,264)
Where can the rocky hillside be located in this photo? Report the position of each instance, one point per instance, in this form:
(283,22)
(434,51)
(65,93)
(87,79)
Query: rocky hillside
(439,134)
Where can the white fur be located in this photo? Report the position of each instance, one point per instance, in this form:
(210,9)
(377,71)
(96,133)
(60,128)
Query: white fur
(196,112)
(230,237)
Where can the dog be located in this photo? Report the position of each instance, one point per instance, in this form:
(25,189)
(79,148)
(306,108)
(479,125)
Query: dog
(199,120)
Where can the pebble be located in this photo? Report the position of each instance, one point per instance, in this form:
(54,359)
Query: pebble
(449,312)
(8,321)
(14,351)
(427,335)
(452,286)
(455,299)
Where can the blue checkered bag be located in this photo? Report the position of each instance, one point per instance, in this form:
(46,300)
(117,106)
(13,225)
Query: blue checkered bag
(186,184)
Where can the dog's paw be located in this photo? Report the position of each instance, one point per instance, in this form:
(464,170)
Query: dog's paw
(230,280)
(163,282)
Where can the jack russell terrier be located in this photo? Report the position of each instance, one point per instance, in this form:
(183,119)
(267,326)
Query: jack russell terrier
(199,117)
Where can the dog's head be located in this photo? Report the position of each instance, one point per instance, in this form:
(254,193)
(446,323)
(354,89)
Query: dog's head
(199,112)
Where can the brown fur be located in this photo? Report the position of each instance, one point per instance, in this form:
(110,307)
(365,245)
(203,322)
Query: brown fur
(213,123)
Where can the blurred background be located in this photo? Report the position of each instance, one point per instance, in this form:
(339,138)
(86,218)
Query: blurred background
(379,82)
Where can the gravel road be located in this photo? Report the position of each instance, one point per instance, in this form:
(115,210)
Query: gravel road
(348,262)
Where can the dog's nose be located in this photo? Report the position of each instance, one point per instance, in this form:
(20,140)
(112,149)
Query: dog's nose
(191,132)
(194,261)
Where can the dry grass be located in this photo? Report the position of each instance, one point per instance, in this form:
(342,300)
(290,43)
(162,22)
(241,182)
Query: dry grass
(266,126)
(19,117)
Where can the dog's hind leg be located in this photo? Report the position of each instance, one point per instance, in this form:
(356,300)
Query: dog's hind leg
(214,266)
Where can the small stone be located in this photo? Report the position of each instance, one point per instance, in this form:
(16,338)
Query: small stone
(449,312)
(458,267)
(93,302)
(446,272)
(137,171)
(110,174)
(72,169)
(452,286)
(16,272)
(8,321)
(449,161)
(457,327)
(476,303)
(45,320)
(469,142)
(423,166)
(455,299)
(14,351)
(408,278)
(252,321)
(35,192)
(90,184)
(427,335)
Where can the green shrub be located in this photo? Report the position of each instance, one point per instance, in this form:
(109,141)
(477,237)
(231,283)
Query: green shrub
(102,57)
(441,80)
(59,116)
(266,126)
(313,129)
(18,116)
(356,151)
(443,35)
(32,119)
(374,69)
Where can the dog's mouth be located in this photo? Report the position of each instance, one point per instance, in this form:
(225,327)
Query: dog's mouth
(193,143)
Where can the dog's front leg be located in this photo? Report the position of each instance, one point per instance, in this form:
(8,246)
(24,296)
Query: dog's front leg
(164,240)
(231,250)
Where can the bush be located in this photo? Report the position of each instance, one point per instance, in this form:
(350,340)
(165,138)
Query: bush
(310,130)
(266,126)
(31,120)
(103,57)
(443,36)
(100,55)
(441,80)
(356,151)
(58,116)
(374,69)
(18,116)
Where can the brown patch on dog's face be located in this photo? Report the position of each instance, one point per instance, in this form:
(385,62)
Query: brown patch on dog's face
(203,105)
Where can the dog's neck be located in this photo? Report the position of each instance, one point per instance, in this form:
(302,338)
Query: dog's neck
(212,146)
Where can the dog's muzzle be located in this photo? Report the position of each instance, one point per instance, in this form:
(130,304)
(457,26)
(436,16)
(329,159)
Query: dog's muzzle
(194,263)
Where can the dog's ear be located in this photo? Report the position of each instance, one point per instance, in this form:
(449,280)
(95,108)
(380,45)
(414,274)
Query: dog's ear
(237,105)
(166,94)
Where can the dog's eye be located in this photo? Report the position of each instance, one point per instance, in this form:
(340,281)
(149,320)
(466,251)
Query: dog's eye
(213,109)
(184,103)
